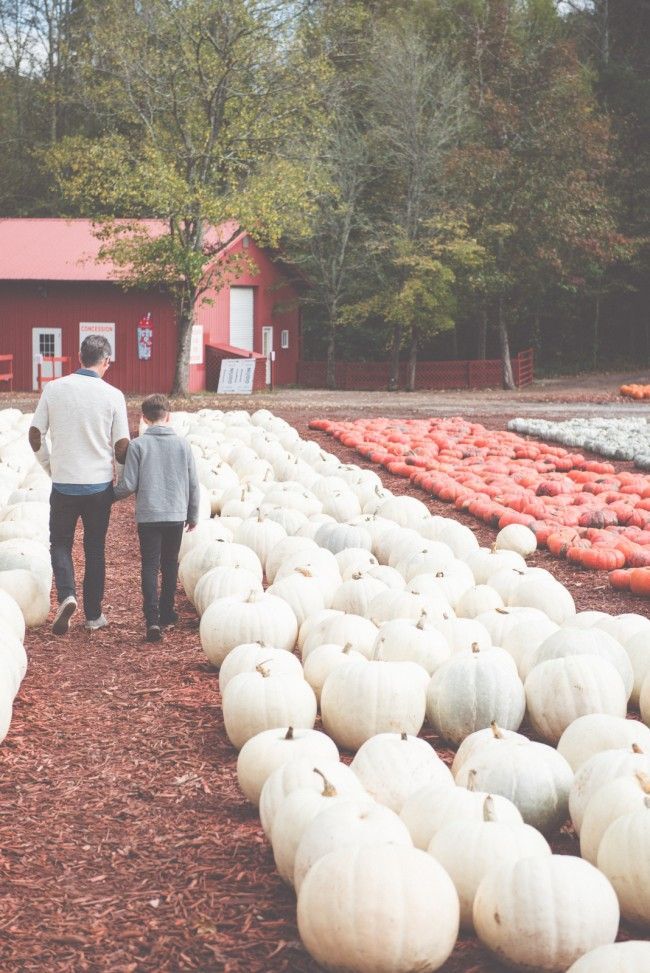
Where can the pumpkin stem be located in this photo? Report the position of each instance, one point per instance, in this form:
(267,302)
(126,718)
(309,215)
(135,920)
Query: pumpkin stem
(252,596)
(421,620)
(471,780)
(289,734)
(403,735)
(261,668)
(489,811)
(440,574)
(476,648)
(644,781)
(636,748)
(357,576)
(305,572)
(346,648)
(328,789)
(496,732)
(502,611)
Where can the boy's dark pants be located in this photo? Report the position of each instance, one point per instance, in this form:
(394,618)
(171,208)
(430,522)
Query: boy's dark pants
(159,546)
(94,510)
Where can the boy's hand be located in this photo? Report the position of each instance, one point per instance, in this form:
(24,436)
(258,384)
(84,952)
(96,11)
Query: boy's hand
(189,525)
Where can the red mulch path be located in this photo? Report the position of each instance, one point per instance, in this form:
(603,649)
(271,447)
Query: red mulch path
(127,846)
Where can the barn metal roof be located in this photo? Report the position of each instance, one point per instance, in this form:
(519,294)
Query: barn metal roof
(60,249)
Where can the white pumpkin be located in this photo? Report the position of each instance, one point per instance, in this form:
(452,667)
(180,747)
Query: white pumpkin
(260,534)
(623,627)
(436,806)
(284,549)
(246,657)
(11,615)
(391,604)
(484,562)
(477,600)
(401,640)
(525,637)
(569,641)
(551,597)
(392,766)
(463,633)
(232,621)
(300,774)
(561,690)
(624,857)
(405,511)
(614,799)
(293,815)
(597,731)
(599,770)
(638,651)
(468,849)
(473,689)
(341,628)
(536,778)
(337,537)
(259,700)
(304,593)
(518,538)
(355,560)
(545,911)
(354,596)
(222,582)
(268,750)
(324,659)
(394,908)
(644,699)
(213,554)
(29,591)
(489,737)
(632,956)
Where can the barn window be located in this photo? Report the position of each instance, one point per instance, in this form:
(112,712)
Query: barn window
(46,344)
(284,339)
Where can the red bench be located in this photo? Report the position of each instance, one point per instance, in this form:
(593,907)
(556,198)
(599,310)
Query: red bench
(7,376)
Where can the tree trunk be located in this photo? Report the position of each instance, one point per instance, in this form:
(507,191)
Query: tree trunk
(508,378)
(330,374)
(412,362)
(393,379)
(596,335)
(481,344)
(185,318)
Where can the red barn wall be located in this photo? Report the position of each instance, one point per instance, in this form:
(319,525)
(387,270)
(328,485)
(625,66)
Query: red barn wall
(271,290)
(27,305)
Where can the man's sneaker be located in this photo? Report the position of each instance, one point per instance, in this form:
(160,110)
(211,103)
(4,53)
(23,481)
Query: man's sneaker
(153,633)
(65,611)
(166,621)
(92,624)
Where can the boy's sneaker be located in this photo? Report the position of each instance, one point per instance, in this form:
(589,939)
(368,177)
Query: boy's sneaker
(154,633)
(166,621)
(92,624)
(64,613)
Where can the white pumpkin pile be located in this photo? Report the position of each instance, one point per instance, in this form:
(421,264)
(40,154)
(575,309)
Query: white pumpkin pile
(25,569)
(622,439)
(380,615)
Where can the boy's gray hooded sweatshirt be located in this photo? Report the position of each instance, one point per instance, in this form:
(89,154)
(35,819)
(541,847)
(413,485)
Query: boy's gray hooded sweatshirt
(161,471)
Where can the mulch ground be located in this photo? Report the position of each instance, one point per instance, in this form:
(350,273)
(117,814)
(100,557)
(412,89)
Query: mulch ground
(126,845)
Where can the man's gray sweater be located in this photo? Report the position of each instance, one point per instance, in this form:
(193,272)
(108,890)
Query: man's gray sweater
(161,471)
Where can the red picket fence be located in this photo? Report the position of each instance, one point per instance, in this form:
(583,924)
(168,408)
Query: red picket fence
(373,376)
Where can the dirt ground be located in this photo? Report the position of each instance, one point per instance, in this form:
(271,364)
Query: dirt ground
(125,844)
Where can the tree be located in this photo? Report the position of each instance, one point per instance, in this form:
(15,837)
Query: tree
(196,101)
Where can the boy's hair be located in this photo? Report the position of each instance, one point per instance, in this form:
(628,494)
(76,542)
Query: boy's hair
(155,407)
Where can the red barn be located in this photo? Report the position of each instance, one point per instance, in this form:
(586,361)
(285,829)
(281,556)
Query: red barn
(54,291)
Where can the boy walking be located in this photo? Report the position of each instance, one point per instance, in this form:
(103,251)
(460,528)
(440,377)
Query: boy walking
(160,470)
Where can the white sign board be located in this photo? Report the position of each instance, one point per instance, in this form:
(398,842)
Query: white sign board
(196,348)
(94,327)
(236,375)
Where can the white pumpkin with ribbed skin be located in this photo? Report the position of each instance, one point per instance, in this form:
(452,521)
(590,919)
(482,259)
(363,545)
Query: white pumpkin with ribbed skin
(13,657)
(222,582)
(477,600)
(391,604)
(394,909)
(611,801)
(638,651)
(303,593)
(319,564)
(29,591)
(433,807)
(259,700)
(27,555)
(523,637)
(623,627)
(468,849)
(342,628)
(561,690)
(354,596)
(246,657)
(292,817)
(570,641)
(484,562)
(268,750)
(391,578)
(304,773)
(551,597)
(11,615)
(392,766)
(214,554)
(597,731)
(336,537)
(355,560)
(365,698)
(324,659)
(342,505)
(374,525)
(404,641)
(473,689)
(452,583)
(396,542)
(348,824)
(599,770)
(463,633)
(500,621)
(545,911)
(489,737)
(315,623)
(260,534)
(630,957)
(534,777)
(624,857)
(284,549)
(435,557)
(405,511)
(232,621)
(459,538)
(518,538)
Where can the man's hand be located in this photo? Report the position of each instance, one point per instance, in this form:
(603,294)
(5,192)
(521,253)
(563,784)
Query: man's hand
(34,438)
(119,449)
(189,525)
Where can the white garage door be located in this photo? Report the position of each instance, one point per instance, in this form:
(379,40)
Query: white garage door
(241,317)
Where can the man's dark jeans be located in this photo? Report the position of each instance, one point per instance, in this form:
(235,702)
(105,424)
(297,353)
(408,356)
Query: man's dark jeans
(159,546)
(94,510)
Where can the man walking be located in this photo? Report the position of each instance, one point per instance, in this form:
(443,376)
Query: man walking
(88,427)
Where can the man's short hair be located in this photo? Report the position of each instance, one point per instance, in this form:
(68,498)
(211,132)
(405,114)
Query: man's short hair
(155,407)
(94,348)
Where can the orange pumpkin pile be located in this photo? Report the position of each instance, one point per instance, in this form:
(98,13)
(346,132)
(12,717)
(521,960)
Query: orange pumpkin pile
(635,391)
(580,509)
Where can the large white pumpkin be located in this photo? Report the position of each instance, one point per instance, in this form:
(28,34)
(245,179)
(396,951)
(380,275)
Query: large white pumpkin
(436,806)
(402,640)
(29,591)
(488,737)
(518,538)
(544,912)
(239,618)
(551,597)
(258,700)
(323,659)
(246,657)
(630,957)
(394,909)
(270,749)
(392,766)
(304,593)
(300,774)
(214,554)
(597,731)
(360,633)
(599,770)
(222,582)
(293,815)
(569,641)
(624,857)
(11,615)
(638,651)
(611,801)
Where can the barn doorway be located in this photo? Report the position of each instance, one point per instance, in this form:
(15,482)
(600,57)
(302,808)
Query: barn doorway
(45,341)
(241,317)
(267,348)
